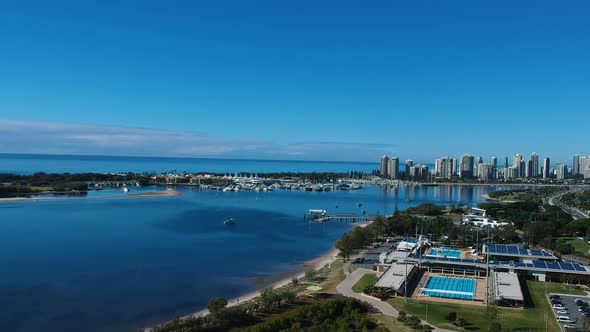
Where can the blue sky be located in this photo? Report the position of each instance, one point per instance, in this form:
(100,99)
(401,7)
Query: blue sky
(338,80)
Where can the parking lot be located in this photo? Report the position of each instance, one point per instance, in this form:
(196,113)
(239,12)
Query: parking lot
(571,308)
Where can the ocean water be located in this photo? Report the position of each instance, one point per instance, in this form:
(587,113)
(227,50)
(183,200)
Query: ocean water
(110,265)
(29,164)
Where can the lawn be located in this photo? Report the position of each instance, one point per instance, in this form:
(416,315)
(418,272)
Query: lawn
(366,282)
(581,246)
(391,323)
(334,277)
(478,318)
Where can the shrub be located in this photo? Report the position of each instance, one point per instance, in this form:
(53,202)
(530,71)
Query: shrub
(402,316)
(495,327)
(451,316)
(460,321)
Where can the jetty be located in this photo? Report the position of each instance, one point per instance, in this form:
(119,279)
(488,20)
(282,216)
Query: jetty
(323,216)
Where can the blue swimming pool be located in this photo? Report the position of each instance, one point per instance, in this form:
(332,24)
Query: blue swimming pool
(449,287)
(445,252)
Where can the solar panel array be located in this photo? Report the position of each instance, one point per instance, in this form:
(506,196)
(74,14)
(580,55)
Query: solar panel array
(502,249)
(548,265)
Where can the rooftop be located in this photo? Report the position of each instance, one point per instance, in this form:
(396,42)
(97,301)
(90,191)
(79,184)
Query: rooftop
(516,251)
(395,276)
(507,286)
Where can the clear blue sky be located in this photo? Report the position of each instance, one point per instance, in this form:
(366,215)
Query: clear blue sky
(342,80)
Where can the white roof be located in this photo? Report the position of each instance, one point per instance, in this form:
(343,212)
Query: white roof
(507,286)
(394,277)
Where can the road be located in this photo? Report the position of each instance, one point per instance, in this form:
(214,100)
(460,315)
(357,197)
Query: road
(556,200)
(345,288)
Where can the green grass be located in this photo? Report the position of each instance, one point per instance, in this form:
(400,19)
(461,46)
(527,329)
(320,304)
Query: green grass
(478,317)
(366,282)
(391,323)
(580,246)
(334,277)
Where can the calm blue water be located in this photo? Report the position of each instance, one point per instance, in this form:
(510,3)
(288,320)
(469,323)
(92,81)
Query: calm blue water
(29,164)
(116,264)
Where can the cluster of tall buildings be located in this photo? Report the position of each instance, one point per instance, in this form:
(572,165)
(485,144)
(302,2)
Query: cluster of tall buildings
(390,168)
(470,167)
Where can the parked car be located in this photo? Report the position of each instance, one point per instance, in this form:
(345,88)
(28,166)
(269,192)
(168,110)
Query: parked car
(554,297)
(556,302)
(558,306)
(562,312)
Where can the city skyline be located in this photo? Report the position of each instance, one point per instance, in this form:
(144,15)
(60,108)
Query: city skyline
(308,81)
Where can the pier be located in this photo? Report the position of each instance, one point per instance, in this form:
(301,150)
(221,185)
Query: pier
(323,216)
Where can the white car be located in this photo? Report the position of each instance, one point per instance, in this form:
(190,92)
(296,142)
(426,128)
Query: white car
(558,306)
(562,312)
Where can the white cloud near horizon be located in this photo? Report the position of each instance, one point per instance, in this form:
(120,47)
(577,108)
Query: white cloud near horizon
(63,138)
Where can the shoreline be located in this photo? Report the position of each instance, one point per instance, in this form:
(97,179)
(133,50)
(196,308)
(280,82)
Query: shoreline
(315,263)
(169,192)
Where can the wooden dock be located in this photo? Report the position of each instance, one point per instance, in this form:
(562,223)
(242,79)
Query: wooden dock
(339,217)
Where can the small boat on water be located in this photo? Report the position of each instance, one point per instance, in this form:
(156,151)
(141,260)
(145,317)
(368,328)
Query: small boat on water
(229,221)
(359,204)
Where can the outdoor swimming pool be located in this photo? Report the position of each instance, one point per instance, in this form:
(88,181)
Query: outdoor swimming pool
(445,252)
(449,287)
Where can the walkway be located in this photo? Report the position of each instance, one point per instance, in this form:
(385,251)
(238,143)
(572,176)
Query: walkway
(345,288)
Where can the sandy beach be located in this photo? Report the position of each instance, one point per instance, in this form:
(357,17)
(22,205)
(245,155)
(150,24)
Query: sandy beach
(169,192)
(316,264)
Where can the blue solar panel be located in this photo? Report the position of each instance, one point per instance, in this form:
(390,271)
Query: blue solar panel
(523,251)
(529,265)
(546,254)
(519,264)
(502,249)
(512,250)
(536,252)
(578,267)
(539,264)
(553,265)
(567,266)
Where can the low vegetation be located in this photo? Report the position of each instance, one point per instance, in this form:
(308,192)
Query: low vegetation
(365,283)
(580,200)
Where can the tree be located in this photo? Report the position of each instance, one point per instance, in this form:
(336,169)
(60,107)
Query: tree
(451,316)
(402,316)
(216,305)
(460,321)
(495,327)
(294,281)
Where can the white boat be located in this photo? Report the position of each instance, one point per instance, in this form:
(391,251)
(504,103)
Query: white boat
(229,221)
(125,189)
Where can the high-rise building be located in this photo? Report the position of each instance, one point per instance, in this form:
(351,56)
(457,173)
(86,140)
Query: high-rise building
(494,162)
(584,165)
(561,171)
(466,167)
(576,165)
(546,168)
(393,169)
(485,171)
(446,168)
(384,165)
(409,164)
(437,165)
(534,171)
(517,162)
(454,166)
(529,169)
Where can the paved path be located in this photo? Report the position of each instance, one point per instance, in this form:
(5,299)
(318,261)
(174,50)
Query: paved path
(345,288)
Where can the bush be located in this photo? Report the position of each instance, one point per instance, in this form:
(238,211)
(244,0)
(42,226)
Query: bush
(295,281)
(413,321)
(451,316)
(460,321)
(495,327)
(402,316)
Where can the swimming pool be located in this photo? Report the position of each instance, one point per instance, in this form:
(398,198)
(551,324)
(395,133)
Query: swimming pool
(445,252)
(449,287)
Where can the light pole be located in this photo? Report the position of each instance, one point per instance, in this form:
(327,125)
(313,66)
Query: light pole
(426,320)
